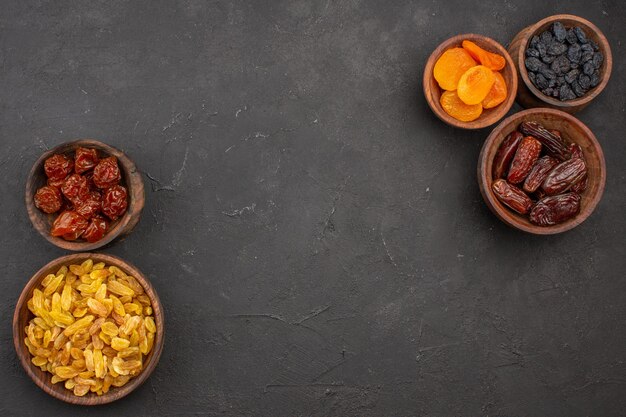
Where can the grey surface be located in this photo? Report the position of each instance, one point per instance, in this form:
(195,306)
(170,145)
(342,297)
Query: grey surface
(315,234)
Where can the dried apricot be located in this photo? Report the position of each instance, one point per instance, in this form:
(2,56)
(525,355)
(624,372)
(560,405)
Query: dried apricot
(453,105)
(475,84)
(497,94)
(450,66)
(492,61)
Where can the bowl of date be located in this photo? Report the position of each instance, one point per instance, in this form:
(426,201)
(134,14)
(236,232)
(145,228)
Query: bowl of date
(541,171)
(88,168)
(563,61)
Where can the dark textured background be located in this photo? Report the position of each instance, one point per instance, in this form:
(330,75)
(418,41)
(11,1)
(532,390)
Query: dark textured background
(316,235)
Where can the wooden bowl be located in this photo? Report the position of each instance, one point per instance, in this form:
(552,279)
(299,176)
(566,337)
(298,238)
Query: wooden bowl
(573,130)
(131,179)
(22,316)
(527,94)
(433,92)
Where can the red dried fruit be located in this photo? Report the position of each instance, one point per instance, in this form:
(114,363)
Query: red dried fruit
(58,166)
(90,205)
(556,209)
(107,173)
(115,202)
(96,229)
(56,183)
(539,172)
(75,188)
(48,199)
(525,157)
(89,177)
(512,196)
(505,154)
(564,175)
(70,224)
(85,159)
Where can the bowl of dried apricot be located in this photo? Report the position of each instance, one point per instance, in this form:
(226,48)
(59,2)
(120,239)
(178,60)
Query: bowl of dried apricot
(81,195)
(88,328)
(542,171)
(470,81)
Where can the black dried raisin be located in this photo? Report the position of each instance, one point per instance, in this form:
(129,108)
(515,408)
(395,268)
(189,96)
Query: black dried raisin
(559,31)
(574,53)
(580,34)
(533,64)
(571,76)
(584,81)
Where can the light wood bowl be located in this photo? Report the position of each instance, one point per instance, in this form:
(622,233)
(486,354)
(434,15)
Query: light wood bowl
(572,130)
(527,94)
(433,92)
(22,316)
(131,179)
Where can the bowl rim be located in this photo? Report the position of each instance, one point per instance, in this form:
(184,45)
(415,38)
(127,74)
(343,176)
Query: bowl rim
(590,94)
(116,392)
(502,109)
(504,214)
(134,184)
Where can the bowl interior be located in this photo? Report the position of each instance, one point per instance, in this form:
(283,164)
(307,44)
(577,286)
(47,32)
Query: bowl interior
(572,130)
(43,379)
(593,33)
(433,92)
(130,179)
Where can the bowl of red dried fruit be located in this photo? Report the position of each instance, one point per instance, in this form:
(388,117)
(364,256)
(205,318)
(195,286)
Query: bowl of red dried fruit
(81,195)
(542,171)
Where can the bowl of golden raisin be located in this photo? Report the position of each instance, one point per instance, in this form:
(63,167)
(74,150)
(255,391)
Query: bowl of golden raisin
(88,328)
(470,81)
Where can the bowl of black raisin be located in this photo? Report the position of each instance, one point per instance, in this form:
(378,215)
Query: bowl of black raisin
(564,62)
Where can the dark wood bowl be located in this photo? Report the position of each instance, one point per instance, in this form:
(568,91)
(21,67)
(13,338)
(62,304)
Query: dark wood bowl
(527,94)
(573,130)
(433,92)
(22,316)
(131,179)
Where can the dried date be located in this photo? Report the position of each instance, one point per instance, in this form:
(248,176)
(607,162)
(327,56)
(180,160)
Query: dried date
(555,209)
(553,144)
(511,196)
(525,157)
(576,151)
(538,173)
(564,176)
(580,186)
(505,154)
